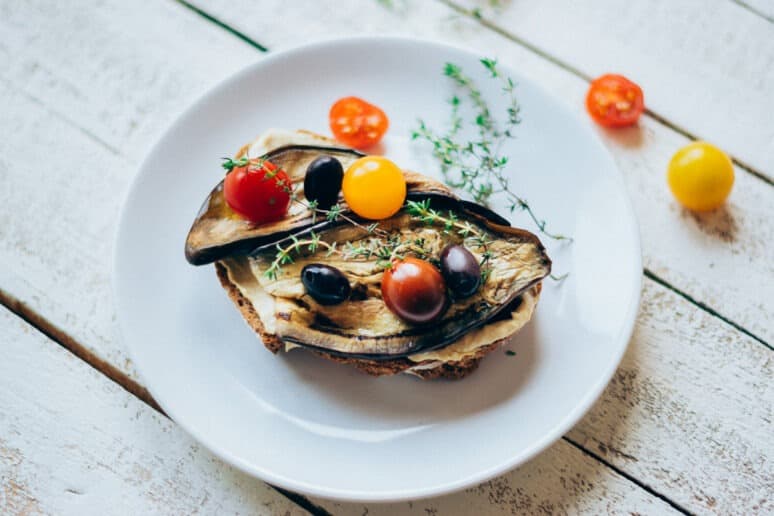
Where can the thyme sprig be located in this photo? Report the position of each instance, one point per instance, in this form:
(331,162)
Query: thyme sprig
(385,252)
(421,210)
(477,166)
(255,164)
(386,247)
(284,255)
(336,212)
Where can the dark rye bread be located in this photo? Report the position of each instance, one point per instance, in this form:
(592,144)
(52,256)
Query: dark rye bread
(450,370)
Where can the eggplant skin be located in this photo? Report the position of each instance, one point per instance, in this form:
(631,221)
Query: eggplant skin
(218,232)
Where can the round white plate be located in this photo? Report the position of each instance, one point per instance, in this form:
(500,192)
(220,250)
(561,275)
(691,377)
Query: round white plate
(317,427)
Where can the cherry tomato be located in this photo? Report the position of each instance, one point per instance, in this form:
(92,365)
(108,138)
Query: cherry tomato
(614,101)
(700,176)
(357,123)
(374,187)
(260,192)
(414,290)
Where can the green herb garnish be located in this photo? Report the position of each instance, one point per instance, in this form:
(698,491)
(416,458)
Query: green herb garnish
(477,167)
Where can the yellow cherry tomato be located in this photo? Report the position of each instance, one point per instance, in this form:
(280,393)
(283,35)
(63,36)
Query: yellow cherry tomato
(374,187)
(700,176)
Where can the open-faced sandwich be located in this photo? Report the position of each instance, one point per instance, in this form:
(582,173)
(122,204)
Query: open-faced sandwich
(346,255)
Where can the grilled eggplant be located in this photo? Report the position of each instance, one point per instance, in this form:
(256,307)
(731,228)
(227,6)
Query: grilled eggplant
(218,231)
(363,326)
(361,329)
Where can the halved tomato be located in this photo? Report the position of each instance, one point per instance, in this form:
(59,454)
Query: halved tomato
(357,123)
(614,101)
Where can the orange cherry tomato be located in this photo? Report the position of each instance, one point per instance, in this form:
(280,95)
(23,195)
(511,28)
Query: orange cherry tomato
(357,123)
(414,290)
(614,101)
(258,191)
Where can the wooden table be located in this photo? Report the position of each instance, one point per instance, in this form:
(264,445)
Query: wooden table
(86,88)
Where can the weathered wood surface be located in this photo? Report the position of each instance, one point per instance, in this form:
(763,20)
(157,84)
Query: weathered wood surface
(88,90)
(689,410)
(73,442)
(94,86)
(560,481)
(112,454)
(706,67)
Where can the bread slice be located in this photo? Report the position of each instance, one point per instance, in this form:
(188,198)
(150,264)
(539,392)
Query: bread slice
(462,358)
(426,369)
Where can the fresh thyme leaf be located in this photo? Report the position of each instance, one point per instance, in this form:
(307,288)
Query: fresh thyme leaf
(230,164)
(333,212)
(476,166)
(510,353)
(491,65)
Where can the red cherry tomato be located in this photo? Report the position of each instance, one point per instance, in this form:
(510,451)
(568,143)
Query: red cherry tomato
(414,290)
(614,101)
(357,123)
(259,191)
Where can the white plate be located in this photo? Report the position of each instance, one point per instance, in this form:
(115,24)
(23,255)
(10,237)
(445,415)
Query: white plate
(320,428)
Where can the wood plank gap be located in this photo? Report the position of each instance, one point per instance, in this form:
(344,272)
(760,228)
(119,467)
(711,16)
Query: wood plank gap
(476,15)
(239,34)
(745,5)
(69,343)
(302,501)
(676,506)
(61,337)
(651,275)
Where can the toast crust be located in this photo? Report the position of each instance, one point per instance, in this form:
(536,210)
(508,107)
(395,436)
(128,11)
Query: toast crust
(427,370)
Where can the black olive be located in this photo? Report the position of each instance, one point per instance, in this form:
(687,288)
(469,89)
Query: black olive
(460,270)
(322,181)
(327,285)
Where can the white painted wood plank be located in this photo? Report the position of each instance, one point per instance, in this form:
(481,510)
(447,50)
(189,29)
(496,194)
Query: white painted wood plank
(690,410)
(562,480)
(54,256)
(93,87)
(73,442)
(112,454)
(117,70)
(707,67)
(699,254)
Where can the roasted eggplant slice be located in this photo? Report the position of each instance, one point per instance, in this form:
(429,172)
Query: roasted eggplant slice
(218,231)
(363,326)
